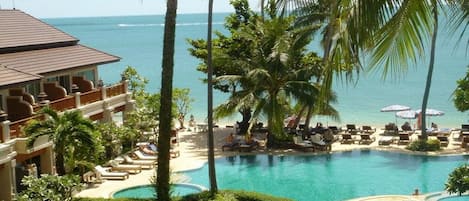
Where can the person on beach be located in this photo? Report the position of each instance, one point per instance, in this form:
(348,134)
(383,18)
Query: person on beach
(146,150)
(406,126)
(416,192)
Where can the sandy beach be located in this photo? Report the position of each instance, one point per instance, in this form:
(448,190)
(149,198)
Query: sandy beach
(193,155)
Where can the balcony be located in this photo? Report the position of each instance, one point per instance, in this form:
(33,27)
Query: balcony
(40,143)
(92,104)
(6,153)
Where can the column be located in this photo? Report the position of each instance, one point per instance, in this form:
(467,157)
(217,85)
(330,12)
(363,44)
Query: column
(5,126)
(47,164)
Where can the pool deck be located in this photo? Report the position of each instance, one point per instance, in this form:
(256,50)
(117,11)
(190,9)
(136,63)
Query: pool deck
(193,155)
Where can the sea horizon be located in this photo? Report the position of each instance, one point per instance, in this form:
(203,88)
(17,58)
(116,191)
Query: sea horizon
(138,41)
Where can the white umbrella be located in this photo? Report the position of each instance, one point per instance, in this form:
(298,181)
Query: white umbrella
(395,108)
(408,114)
(431,112)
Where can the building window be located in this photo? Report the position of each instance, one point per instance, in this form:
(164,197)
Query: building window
(88,75)
(63,81)
(33,89)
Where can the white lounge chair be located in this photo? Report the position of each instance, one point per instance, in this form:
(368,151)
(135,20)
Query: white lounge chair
(301,144)
(142,156)
(115,166)
(146,164)
(103,173)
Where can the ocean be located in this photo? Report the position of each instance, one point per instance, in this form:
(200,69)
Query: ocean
(138,40)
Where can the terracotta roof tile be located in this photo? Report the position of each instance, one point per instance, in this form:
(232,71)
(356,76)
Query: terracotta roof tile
(55,59)
(18,29)
(10,76)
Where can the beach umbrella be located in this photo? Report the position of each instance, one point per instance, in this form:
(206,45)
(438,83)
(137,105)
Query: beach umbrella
(431,112)
(395,108)
(407,114)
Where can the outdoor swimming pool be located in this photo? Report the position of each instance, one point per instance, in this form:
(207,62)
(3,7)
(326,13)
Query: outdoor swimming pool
(148,191)
(332,177)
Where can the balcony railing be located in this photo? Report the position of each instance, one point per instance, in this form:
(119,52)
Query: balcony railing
(91,97)
(15,127)
(63,104)
(115,90)
(67,103)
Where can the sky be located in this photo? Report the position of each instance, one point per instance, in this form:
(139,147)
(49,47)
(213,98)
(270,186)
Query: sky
(91,8)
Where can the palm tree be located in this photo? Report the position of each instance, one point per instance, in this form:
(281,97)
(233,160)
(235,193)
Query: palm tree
(163,187)
(211,156)
(74,137)
(395,31)
(274,72)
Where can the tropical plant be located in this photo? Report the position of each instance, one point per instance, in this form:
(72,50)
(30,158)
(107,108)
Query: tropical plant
(137,84)
(458,180)
(275,71)
(424,145)
(395,32)
(461,94)
(224,49)
(182,102)
(111,139)
(255,44)
(75,139)
(50,187)
(165,116)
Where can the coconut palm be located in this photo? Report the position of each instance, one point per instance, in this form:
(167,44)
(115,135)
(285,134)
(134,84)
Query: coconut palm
(395,31)
(74,137)
(274,72)
(211,147)
(165,115)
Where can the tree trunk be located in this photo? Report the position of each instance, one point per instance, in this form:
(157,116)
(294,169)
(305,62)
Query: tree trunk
(181,121)
(162,183)
(308,117)
(244,124)
(300,114)
(430,72)
(211,155)
(60,163)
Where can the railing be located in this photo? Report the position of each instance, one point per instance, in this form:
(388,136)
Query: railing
(15,127)
(91,97)
(66,103)
(63,104)
(115,90)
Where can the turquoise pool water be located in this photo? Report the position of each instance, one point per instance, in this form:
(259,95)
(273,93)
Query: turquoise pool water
(147,191)
(332,177)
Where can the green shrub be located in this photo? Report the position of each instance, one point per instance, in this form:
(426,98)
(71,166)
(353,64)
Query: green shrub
(458,180)
(225,195)
(422,145)
(50,187)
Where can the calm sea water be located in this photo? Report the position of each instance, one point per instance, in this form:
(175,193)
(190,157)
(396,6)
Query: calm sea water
(138,41)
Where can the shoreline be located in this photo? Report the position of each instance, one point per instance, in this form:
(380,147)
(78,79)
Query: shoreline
(193,155)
